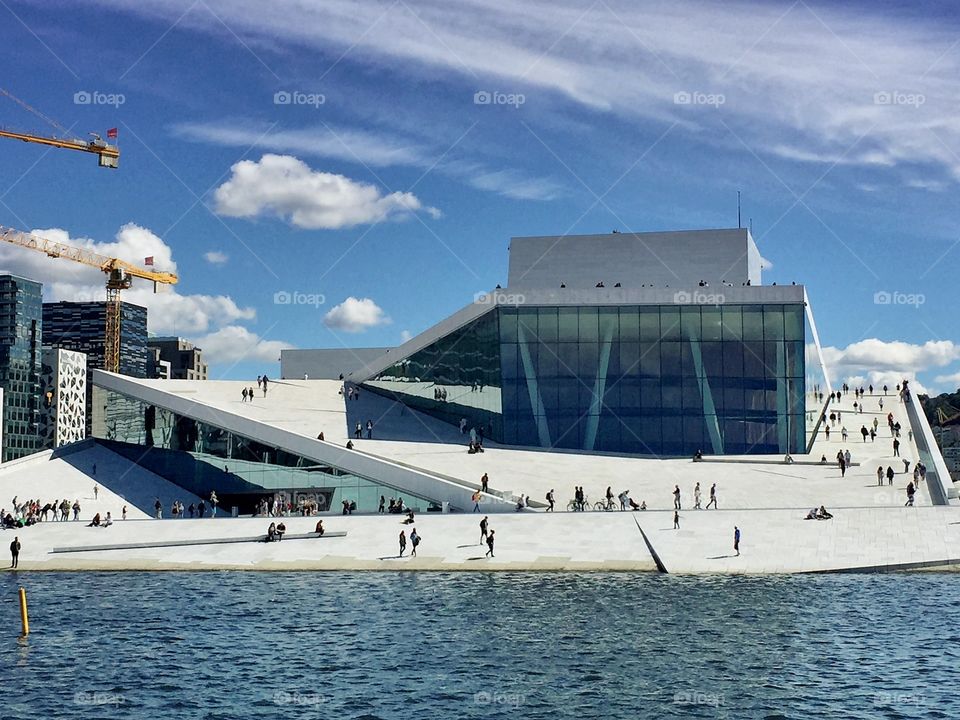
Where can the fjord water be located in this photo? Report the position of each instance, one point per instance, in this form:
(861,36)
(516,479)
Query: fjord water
(474,645)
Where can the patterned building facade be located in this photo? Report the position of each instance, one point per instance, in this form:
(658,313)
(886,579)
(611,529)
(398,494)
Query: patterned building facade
(63,406)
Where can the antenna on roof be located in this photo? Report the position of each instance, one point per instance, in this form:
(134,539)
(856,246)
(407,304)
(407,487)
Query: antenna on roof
(751,226)
(738,210)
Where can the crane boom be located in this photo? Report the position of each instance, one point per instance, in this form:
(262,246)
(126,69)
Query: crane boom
(81,255)
(119,277)
(109,155)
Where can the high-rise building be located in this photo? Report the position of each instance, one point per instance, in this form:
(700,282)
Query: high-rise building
(184,359)
(20,337)
(81,327)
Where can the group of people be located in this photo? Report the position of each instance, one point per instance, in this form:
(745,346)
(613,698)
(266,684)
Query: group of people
(396,507)
(276,531)
(262,382)
(818,514)
(177,510)
(31,512)
(358,430)
(104,522)
(352,392)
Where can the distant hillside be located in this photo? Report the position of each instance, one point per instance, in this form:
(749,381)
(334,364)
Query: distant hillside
(948,402)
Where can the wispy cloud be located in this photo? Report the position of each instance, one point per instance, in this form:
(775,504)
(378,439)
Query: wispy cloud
(375,149)
(828,73)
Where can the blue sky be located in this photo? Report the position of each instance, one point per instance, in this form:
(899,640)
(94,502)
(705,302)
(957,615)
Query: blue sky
(384,189)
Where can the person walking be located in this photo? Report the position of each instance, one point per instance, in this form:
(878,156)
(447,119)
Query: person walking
(358,431)
(483,528)
(910,493)
(15,552)
(414,541)
(96,491)
(158,509)
(896,447)
(403,542)
(889,475)
(476,501)
(864,432)
(214,502)
(550,500)
(736,540)
(880,475)
(696,497)
(369,429)
(713,497)
(484,483)
(676,519)
(489,544)
(676,497)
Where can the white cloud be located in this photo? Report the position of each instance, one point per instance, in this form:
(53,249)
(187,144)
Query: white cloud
(950,382)
(215,257)
(877,355)
(325,141)
(879,363)
(405,335)
(285,186)
(169,312)
(233,344)
(765,264)
(355,315)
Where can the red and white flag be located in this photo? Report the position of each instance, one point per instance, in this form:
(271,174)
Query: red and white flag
(148,260)
(112,133)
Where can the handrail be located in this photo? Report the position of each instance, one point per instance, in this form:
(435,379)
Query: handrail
(938,476)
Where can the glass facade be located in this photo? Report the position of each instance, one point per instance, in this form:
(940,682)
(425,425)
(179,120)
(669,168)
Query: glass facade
(20,365)
(200,457)
(648,379)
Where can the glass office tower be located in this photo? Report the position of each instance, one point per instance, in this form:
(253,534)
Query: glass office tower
(20,365)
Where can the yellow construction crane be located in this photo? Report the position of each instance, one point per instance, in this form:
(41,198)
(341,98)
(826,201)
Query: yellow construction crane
(109,155)
(119,273)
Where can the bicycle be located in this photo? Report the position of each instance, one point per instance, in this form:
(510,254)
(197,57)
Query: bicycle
(605,506)
(574,506)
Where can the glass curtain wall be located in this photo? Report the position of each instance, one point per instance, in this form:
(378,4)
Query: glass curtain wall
(455,378)
(200,457)
(663,380)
